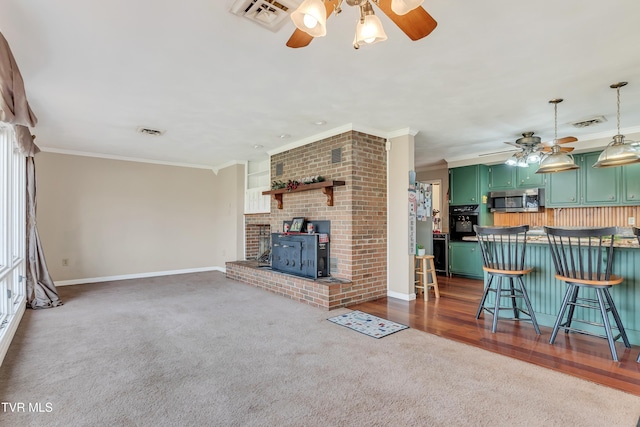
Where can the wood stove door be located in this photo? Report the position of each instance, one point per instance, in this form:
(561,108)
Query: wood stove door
(287,256)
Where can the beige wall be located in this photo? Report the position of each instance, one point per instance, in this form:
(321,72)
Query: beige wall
(400,262)
(112,217)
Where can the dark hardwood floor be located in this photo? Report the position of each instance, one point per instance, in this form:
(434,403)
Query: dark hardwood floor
(452,316)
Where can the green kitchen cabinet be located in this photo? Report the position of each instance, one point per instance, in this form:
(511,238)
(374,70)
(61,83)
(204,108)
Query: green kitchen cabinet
(505,177)
(563,188)
(600,186)
(501,177)
(468,185)
(631,184)
(465,259)
(528,178)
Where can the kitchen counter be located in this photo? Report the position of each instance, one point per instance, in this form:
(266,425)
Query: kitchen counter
(624,239)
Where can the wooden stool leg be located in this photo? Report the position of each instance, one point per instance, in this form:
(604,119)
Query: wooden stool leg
(434,278)
(425,281)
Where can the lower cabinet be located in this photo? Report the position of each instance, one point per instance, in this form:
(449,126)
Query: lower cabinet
(465,259)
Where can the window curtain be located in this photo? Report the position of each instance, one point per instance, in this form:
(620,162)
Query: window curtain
(15,110)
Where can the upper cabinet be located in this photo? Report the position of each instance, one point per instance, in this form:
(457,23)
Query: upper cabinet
(501,177)
(467,185)
(600,186)
(563,189)
(589,186)
(528,178)
(631,184)
(505,177)
(258,180)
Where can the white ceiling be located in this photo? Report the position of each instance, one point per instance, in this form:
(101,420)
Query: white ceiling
(218,84)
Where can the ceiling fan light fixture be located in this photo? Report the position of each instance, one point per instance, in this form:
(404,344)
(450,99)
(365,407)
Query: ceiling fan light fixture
(512,161)
(311,17)
(369,28)
(533,157)
(618,152)
(402,7)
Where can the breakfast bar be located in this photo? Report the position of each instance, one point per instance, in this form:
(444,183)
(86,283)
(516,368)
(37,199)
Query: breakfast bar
(546,292)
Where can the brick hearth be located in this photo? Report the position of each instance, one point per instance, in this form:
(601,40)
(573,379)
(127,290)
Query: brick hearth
(327,293)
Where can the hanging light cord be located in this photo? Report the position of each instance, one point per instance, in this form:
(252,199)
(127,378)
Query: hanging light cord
(555,115)
(618,91)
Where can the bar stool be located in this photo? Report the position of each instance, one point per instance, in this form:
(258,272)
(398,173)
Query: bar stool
(503,250)
(583,259)
(425,270)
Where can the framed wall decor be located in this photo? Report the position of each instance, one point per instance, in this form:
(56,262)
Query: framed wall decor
(297,225)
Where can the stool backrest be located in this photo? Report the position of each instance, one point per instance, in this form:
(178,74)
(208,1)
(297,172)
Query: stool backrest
(582,253)
(502,248)
(636,231)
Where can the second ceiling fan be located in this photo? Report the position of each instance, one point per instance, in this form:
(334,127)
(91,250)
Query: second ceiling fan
(533,149)
(310,19)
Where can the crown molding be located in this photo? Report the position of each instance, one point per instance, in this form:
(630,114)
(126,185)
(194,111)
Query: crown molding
(126,159)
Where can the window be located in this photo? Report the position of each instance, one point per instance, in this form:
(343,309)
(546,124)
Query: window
(12,234)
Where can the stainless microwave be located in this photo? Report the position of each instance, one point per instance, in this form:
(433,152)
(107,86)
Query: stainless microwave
(525,200)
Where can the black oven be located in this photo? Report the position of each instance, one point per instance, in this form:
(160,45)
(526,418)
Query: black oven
(461,221)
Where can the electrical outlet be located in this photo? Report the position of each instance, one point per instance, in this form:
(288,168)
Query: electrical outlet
(65,262)
(631,220)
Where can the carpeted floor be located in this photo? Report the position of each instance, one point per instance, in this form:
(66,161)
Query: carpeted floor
(201,350)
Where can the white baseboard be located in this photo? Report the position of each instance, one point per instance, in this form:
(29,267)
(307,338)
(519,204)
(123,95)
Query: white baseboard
(136,276)
(404,297)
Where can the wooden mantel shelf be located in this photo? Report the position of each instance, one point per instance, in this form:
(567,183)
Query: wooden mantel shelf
(325,186)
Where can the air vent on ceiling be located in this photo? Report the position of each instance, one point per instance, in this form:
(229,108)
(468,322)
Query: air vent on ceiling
(149,131)
(589,122)
(271,14)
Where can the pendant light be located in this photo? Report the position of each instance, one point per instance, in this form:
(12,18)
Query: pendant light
(556,161)
(618,152)
(311,17)
(402,7)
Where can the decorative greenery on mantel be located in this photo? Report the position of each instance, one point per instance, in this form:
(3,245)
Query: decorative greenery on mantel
(325,186)
(292,184)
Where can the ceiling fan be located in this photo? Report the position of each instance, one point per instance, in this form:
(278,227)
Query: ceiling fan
(532,149)
(408,15)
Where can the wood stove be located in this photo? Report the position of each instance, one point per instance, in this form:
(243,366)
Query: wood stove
(303,254)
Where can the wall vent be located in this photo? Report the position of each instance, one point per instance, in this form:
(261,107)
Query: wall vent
(150,131)
(279,169)
(589,122)
(271,14)
(336,155)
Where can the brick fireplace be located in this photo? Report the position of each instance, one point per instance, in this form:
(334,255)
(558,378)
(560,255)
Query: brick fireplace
(358,264)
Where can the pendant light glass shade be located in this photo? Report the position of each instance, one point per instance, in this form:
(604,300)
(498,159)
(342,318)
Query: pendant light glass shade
(369,30)
(311,17)
(618,152)
(402,7)
(557,161)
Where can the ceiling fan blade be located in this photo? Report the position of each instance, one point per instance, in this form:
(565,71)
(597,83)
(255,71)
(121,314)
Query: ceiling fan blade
(565,140)
(415,24)
(563,149)
(513,143)
(301,39)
